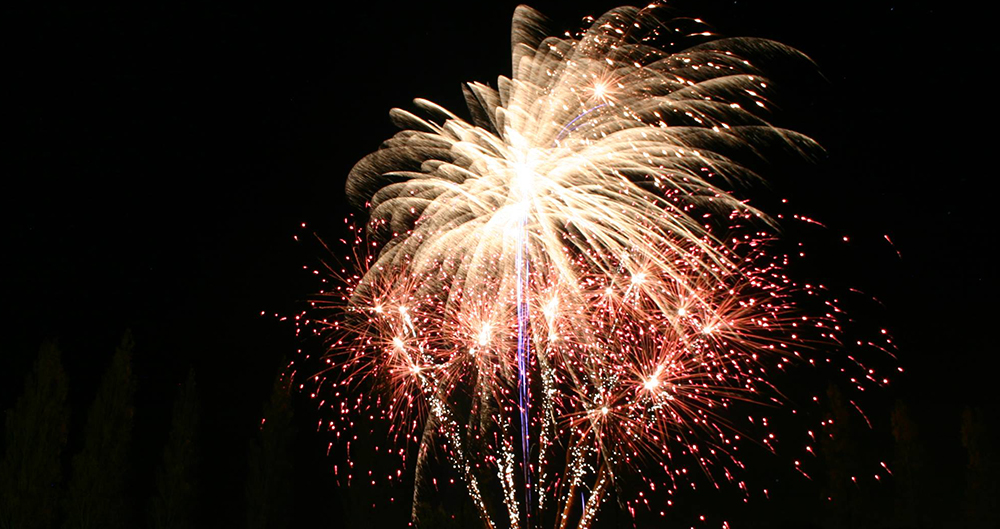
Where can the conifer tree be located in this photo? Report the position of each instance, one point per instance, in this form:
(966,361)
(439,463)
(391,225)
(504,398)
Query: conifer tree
(97,489)
(982,487)
(35,436)
(174,503)
(909,466)
(839,446)
(269,476)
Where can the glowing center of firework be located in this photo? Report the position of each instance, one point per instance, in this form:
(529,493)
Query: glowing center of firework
(638,278)
(397,342)
(524,178)
(523,187)
(524,164)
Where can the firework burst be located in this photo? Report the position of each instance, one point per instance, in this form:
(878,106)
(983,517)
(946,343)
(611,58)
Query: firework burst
(564,290)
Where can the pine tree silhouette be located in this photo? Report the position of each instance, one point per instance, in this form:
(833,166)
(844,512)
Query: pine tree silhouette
(979,438)
(35,436)
(839,446)
(97,488)
(270,463)
(910,469)
(176,487)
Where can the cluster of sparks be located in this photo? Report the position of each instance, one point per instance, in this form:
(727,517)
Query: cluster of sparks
(562,294)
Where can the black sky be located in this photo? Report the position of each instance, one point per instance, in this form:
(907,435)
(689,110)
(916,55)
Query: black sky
(157,159)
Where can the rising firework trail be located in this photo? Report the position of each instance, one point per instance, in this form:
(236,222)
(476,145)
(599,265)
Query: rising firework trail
(564,294)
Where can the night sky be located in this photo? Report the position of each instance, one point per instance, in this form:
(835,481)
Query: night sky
(158,159)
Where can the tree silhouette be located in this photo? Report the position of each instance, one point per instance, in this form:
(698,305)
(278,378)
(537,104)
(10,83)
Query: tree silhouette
(174,502)
(270,462)
(97,489)
(35,436)
(909,468)
(839,445)
(982,467)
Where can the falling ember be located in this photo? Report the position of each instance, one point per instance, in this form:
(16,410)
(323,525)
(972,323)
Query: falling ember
(564,285)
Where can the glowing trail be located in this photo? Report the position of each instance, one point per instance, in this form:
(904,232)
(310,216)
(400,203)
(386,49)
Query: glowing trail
(523,361)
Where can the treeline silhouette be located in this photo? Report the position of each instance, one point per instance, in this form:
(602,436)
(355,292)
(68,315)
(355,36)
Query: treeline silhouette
(41,487)
(941,468)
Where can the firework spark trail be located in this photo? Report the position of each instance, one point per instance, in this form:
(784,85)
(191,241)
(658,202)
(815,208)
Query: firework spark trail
(523,359)
(522,271)
(569,260)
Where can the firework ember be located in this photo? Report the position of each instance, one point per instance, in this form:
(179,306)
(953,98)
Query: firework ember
(564,290)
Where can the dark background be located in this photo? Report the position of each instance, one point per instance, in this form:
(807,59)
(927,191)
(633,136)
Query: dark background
(157,159)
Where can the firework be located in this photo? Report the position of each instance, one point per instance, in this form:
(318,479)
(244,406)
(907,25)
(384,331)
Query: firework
(564,289)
